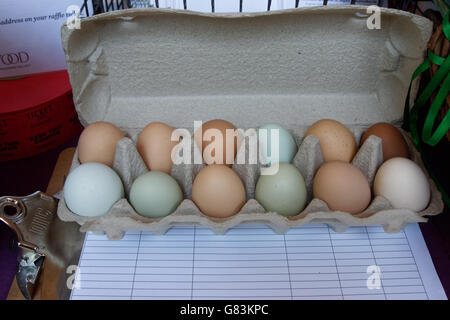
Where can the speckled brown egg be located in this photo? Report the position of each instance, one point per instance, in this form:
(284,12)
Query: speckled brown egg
(394,144)
(336,140)
(342,186)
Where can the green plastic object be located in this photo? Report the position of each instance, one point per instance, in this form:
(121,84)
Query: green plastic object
(440,84)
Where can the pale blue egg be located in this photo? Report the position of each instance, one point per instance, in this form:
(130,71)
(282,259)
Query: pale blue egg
(91,189)
(287,148)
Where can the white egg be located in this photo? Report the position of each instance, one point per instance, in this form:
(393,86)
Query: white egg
(92,189)
(403,183)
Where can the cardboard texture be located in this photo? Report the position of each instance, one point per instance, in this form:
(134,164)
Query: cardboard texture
(291,67)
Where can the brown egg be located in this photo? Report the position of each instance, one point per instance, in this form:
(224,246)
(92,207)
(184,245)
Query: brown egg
(218,191)
(212,139)
(155,146)
(342,186)
(98,142)
(336,140)
(394,145)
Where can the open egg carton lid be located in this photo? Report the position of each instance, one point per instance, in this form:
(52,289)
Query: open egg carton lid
(291,67)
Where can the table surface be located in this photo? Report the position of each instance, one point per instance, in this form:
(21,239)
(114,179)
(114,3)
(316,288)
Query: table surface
(23,177)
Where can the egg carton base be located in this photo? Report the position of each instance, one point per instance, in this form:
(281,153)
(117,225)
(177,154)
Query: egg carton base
(129,165)
(122,218)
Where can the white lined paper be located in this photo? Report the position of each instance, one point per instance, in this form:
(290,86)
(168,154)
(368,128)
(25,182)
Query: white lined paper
(252,262)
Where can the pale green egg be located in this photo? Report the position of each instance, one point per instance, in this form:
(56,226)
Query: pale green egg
(283,192)
(155,194)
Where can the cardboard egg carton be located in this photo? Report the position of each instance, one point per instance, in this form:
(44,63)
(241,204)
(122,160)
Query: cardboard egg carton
(292,67)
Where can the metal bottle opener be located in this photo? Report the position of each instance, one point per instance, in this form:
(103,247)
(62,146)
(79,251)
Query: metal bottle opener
(48,245)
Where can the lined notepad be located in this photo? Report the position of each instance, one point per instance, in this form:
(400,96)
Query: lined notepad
(252,262)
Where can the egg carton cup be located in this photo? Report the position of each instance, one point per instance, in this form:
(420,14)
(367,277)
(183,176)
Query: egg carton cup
(129,165)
